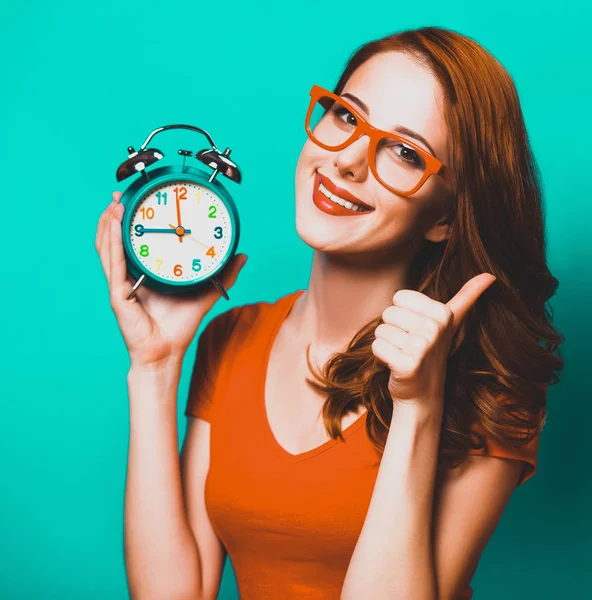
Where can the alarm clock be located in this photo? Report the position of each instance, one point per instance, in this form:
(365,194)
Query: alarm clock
(180,224)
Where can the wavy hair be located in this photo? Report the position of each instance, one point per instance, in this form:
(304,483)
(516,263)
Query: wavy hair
(506,351)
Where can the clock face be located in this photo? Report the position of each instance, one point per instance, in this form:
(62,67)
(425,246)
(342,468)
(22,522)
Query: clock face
(181,231)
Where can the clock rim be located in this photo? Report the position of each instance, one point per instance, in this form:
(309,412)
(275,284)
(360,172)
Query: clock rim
(139,188)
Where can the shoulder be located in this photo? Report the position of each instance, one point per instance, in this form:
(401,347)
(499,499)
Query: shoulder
(249,319)
(519,444)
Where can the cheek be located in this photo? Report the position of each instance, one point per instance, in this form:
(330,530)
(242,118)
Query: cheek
(311,157)
(400,216)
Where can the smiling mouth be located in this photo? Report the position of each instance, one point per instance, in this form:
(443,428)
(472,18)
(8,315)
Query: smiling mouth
(351,202)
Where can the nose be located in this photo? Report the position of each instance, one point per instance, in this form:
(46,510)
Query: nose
(352,161)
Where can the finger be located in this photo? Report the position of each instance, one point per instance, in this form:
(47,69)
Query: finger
(118,283)
(422,305)
(396,360)
(410,321)
(101,226)
(115,197)
(467,296)
(105,248)
(412,345)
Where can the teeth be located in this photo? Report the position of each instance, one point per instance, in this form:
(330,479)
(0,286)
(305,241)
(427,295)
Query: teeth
(341,201)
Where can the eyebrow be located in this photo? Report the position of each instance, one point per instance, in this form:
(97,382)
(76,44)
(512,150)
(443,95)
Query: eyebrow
(397,129)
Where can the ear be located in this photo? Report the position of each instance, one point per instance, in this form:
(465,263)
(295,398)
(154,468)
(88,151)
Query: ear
(440,230)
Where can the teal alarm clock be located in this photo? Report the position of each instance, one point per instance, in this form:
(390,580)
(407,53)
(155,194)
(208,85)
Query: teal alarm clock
(180,225)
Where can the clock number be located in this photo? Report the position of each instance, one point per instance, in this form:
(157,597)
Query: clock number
(211,252)
(218,233)
(178,270)
(144,250)
(212,210)
(139,229)
(147,212)
(162,196)
(181,193)
(159,261)
(196,265)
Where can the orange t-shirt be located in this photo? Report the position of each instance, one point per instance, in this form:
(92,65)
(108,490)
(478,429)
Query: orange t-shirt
(288,522)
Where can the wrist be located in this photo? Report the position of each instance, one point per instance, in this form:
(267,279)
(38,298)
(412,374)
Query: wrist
(420,412)
(157,376)
(157,365)
(153,386)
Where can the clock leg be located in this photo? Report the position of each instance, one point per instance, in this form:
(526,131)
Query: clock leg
(138,283)
(216,282)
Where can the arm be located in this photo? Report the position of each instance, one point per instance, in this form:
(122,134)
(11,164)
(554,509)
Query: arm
(163,558)
(419,541)
(397,555)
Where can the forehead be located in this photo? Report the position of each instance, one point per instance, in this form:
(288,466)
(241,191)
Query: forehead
(399,91)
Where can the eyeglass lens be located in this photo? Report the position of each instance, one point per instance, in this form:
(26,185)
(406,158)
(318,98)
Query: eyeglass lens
(398,165)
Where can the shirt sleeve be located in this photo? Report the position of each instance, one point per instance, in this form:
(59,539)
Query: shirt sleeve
(212,347)
(527,453)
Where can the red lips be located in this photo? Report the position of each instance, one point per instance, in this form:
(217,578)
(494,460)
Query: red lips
(334,189)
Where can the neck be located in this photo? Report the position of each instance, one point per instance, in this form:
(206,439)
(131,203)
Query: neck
(345,293)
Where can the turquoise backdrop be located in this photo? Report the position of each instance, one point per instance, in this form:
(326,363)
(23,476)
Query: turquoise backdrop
(82,81)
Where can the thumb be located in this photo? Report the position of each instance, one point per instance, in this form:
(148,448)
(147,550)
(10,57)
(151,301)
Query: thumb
(468,295)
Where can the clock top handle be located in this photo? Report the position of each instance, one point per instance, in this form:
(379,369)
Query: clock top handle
(219,161)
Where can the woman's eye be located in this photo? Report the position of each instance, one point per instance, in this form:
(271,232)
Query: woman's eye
(345,115)
(407,154)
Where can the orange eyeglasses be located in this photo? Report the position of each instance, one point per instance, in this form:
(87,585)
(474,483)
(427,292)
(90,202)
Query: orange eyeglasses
(397,163)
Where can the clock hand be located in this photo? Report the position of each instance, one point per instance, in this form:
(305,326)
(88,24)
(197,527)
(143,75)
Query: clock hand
(178,213)
(142,229)
(189,230)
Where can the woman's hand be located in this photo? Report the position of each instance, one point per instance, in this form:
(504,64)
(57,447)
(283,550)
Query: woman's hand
(155,326)
(415,339)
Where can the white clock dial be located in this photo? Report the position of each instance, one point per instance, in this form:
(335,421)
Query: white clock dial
(190,257)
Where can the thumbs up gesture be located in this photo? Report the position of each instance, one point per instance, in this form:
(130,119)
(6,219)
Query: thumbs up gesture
(415,338)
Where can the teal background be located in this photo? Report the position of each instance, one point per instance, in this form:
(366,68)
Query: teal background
(82,81)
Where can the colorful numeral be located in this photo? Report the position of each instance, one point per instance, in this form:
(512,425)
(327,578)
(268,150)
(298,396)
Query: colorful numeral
(162,196)
(159,261)
(144,250)
(147,213)
(218,234)
(211,252)
(139,229)
(180,193)
(178,270)
(212,214)
(196,263)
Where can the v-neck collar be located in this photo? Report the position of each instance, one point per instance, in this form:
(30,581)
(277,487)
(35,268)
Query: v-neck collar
(286,303)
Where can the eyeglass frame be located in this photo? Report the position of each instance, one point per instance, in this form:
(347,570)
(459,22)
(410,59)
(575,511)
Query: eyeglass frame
(433,165)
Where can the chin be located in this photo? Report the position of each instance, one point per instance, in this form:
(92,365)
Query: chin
(319,231)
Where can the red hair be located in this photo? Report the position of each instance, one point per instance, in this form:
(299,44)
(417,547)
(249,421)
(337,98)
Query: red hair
(506,351)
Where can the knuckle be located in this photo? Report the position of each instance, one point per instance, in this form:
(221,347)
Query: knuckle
(388,313)
(432,327)
(420,344)
(381,330)
(113,300)
(447,315)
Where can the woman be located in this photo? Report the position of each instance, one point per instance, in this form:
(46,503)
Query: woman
(418,342)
